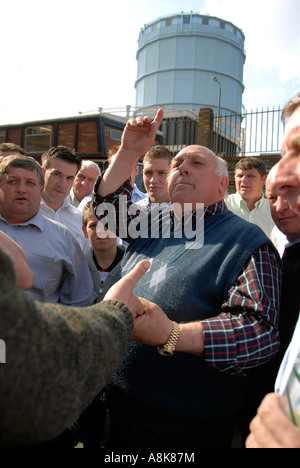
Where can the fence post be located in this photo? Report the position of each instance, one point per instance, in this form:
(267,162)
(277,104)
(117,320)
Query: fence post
(205,128)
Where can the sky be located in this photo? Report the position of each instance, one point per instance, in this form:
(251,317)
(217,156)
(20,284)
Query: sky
(61,57)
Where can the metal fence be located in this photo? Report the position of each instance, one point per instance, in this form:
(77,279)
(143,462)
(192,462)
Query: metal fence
(250,133)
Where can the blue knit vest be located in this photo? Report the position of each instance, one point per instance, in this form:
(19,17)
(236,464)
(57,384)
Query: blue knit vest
(188,285)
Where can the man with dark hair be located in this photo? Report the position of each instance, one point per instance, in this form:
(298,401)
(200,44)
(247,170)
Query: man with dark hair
(156,169)
(63,153)
(61,273)
(249,201)
(60,166)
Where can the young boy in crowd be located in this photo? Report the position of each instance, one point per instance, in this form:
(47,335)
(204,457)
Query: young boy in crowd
(104,256)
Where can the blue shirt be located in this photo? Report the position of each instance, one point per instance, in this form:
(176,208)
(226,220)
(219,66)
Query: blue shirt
(61,273)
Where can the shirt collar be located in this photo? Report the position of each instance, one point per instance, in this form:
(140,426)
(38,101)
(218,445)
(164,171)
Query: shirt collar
(216,208)
(289,244)
(211,210)
(240,201)
(36,221)
(65,206)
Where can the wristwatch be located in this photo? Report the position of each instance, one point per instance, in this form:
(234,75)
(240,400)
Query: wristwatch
(169,347)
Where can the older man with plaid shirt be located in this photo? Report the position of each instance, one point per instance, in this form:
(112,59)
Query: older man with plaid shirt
(213,309)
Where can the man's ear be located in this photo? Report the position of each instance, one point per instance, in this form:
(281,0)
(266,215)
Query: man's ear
(224,182)
(264,179)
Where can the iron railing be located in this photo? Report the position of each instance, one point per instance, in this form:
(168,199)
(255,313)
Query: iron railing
(251,133)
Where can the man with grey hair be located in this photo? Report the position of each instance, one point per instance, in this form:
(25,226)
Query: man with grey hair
(214,308)
(61,273)
(84,182)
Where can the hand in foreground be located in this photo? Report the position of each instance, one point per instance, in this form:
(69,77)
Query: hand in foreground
(152,327)
(24,276)
(271,427)
(140,132)
(123,290)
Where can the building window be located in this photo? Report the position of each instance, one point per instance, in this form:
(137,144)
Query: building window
(38,139)
(169,22)
(116,135)
(222,24)
(186,19)
(205,21)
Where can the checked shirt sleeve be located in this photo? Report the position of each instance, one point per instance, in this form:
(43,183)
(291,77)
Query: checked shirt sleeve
(117,209)
(245,334)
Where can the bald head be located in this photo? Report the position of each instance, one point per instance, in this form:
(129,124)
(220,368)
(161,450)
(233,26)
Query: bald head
(284,179)
(285,217)
(197,176)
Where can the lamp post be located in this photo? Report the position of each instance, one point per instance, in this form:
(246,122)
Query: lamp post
(215,79)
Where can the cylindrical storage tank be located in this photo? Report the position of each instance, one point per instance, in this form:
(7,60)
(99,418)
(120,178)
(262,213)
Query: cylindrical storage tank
(179,55)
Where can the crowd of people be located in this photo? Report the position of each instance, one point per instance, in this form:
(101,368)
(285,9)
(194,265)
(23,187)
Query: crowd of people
(150,341)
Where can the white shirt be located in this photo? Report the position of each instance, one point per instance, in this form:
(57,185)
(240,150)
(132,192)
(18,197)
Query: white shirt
(61,272)
(279,240)
(261,215)
(70,217)
(144,201)
(137,195)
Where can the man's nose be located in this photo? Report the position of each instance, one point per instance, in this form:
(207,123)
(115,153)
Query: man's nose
(184,168)
(63,181)
(281,204)
(21,188)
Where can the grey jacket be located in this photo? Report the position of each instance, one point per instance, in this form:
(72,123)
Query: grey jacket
(58,358)
(99,289)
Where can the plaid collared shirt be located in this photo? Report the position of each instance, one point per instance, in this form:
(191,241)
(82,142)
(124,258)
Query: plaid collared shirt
(244,334)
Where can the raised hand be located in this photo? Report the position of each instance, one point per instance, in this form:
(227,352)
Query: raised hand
(140,132)
(138,136)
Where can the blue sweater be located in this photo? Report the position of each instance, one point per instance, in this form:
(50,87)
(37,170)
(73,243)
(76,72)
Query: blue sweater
(188,285)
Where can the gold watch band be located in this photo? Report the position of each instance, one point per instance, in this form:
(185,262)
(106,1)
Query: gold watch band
(169,347)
